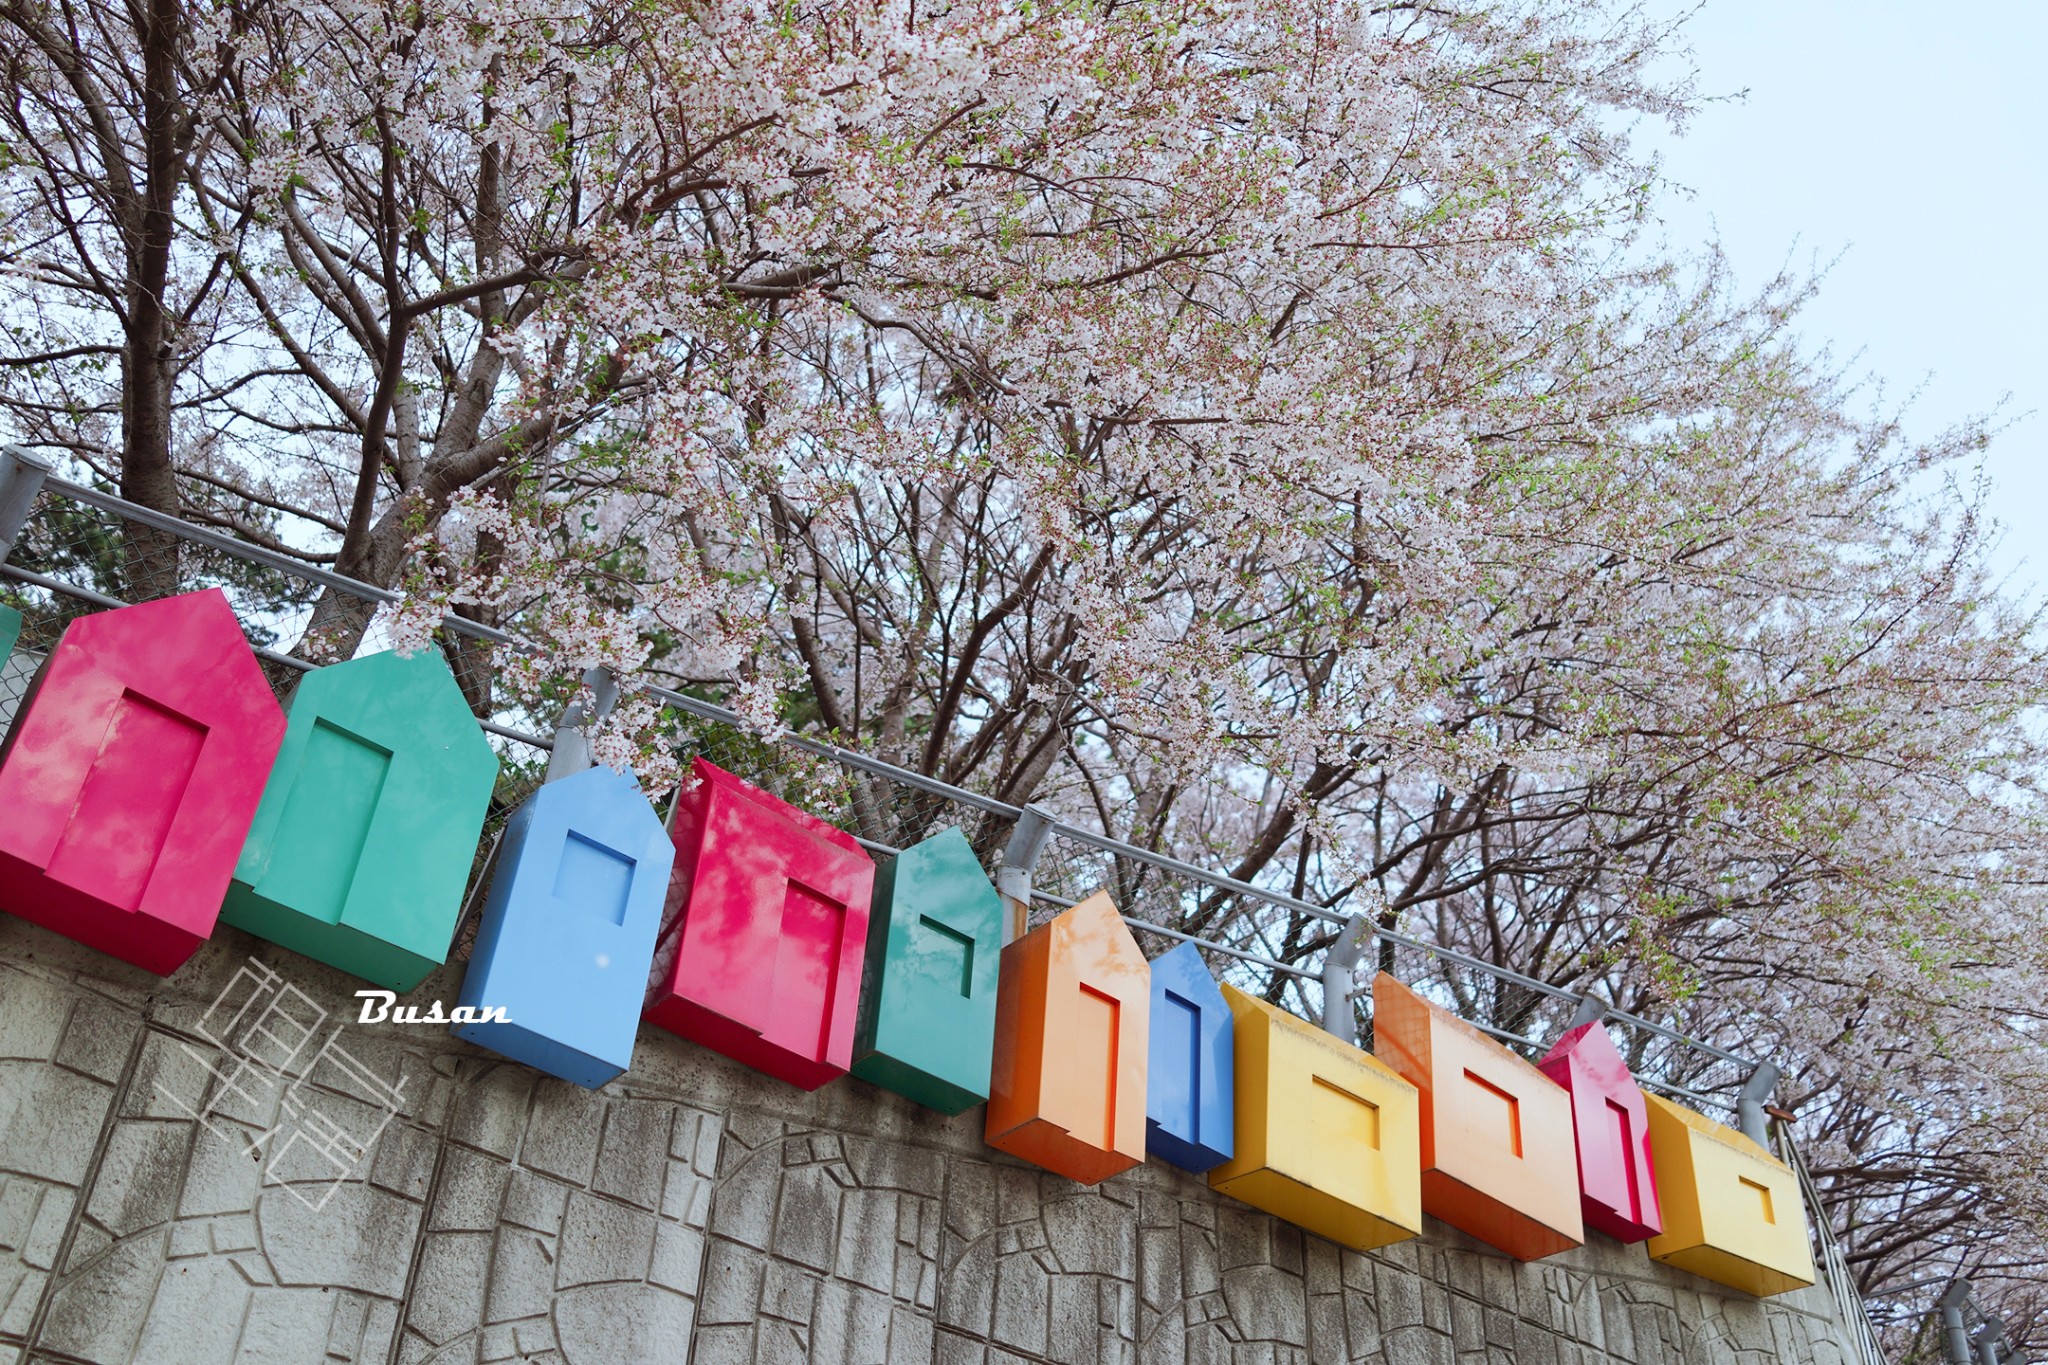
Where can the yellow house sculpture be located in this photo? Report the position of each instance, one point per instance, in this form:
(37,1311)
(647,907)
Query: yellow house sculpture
(1328,1137)
(1732,1212)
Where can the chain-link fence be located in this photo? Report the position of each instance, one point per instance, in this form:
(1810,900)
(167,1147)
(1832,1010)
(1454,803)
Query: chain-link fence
(81,550)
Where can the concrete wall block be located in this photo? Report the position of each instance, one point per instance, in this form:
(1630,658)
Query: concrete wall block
(695,1210)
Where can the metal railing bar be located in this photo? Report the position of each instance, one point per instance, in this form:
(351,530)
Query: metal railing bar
(100,599)
(492,727)
(931,786)
(256,554)
(1175,865)
(1682,1093)
(846,757)
(241,549)
(287,660)
(1613,1016)
(59,586)
(1855,1314)
(1224,948)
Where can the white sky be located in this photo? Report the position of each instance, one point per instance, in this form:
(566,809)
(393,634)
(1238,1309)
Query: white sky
(1909,146)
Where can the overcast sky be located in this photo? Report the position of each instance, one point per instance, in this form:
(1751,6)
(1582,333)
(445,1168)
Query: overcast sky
(1908,145)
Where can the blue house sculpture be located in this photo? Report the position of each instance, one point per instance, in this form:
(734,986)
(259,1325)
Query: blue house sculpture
(568,932)
(1190,1088)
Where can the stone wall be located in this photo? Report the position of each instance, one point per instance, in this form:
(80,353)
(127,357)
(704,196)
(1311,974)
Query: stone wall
(691,1212)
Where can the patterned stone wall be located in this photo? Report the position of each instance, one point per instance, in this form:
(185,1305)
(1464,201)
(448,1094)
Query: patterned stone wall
(157,1205)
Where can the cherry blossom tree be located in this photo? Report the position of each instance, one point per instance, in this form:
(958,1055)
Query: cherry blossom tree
(1268,434)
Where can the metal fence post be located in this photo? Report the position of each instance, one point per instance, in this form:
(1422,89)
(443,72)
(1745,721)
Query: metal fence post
(1340,977)
(1591,1010)
(1749,1106)
(1955,1332)
(21,478)
(571,753)
(1013,876)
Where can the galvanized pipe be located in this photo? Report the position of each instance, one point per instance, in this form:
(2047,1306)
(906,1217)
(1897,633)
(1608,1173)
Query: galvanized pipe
(571,753)
(1340,977)
(1955,1331)
(1591,1009)
(1013,875)
(22,473)
(1749,1105)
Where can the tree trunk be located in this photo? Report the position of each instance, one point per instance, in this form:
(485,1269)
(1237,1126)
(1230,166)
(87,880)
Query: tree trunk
(150,557)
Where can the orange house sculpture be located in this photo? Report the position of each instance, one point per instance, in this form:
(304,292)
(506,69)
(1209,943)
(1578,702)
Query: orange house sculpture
(1498,1157)
(1073,1017)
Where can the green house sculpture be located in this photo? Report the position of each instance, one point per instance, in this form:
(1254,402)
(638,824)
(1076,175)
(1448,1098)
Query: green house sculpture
(363,843)
(927,1023)
(10,631)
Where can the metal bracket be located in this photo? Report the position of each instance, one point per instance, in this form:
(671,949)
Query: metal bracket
(1591,1010)
(21,477)
(1749,1105)
(1013,875)
(571,754)
(1340,976)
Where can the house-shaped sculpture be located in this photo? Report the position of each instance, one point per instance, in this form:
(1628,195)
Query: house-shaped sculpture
(363,843)
(927,1022)
(1327,1136)
(130,776)
(765,931)
(1732,1211)
(1498,1158)
(1067,1090)
(1190,1078)
(1617,1183)
(568,930)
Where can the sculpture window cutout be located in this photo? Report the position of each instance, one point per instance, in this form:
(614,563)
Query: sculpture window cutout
(1510,1110)
(131,775)
(361,849)
(946,941)
(593,878)
(1763,1195)
(764,932)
